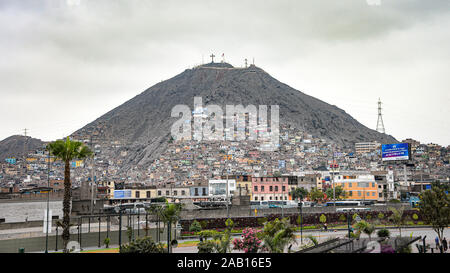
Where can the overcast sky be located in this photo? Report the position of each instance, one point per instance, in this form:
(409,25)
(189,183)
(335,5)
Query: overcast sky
(65,63)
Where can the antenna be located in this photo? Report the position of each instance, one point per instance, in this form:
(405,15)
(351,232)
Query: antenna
(246,63)
(380,124)
(25,132)
(253,60)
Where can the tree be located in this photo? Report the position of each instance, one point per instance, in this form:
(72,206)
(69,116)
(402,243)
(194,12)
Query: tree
(223,240)
(435,209)
(397,218)
(195,226)
(315,195)
(276,235)
(339,193)
(299,193)
(67,151)
(169,214)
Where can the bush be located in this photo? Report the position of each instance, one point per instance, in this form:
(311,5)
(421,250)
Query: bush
(383,233)
(261,221)
(143,245)
(415,217)
(206,246)
(195,226)
(394,201)
(249,243)
(106,242)
(342,218)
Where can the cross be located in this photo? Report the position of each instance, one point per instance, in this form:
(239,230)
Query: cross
(245,63)
(212,57)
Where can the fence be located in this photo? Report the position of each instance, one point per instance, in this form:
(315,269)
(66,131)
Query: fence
(91,231)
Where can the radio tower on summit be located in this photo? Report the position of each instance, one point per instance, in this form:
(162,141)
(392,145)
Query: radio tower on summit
(380,124)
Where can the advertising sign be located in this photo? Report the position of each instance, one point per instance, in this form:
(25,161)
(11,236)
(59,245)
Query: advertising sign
(122,193)
(392,152)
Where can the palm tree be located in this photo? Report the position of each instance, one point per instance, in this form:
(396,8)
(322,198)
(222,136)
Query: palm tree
(277,235)
(169,214)
(67,151)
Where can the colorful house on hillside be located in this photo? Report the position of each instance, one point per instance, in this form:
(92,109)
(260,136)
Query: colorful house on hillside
(270,188)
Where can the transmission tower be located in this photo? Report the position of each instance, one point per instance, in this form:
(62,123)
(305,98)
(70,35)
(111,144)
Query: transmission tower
(380,124)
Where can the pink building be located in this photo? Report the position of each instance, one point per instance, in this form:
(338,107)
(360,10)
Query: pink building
(270,188)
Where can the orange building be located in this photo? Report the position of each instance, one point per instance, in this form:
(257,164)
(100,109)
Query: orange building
(358,187)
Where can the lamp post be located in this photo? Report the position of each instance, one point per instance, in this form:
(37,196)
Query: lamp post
(300,204)
(48,202)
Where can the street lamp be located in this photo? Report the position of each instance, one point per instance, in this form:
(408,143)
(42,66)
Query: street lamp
(300,204)
(48,201)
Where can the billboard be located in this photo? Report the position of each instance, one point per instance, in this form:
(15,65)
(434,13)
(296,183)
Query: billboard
(122,193)
(392,152)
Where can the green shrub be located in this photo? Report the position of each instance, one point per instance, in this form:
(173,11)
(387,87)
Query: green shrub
(383,233)
(323,218)
(342,218)
(143,245)
(380,216)
(206,246)
(203,224)
(106,242)
(195,226)
(415,217)
(410,223)
(420,223)
(261,221)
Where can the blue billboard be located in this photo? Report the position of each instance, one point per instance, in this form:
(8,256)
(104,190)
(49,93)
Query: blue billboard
(122,193)
(391,152)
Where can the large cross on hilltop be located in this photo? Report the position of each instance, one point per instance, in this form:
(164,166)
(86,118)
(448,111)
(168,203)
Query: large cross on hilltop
(212,57)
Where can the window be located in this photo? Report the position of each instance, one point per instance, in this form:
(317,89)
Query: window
(285,198)
(256,188)
(359,193)
(350,184)
(276,188)
(373,193)
(159,193)
(196,191)
(368,194)
(167,193)
(262,188)
(283,188)
(183,192)
(148,194)
(276,197)
(262,198)
(137,194)
(373,184)
(256,198)
(270,197)
(175,193)
(270,188)
(350,193)
(204,191)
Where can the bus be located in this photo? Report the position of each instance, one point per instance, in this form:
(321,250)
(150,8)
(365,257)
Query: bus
(344,203)
(352,209)
(259,204)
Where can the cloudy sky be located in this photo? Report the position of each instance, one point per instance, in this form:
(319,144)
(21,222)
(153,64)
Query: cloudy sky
(66,62)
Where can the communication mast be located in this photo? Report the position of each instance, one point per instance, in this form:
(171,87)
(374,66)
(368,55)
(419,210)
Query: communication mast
(380,124)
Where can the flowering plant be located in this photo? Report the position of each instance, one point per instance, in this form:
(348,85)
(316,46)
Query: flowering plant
(249,242)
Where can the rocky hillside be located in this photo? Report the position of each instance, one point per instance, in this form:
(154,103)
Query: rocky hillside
(144,122)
